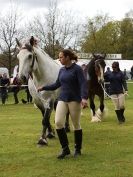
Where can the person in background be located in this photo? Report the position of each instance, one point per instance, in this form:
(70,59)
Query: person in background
(29,97)
(5,82)
(0,84)
(117,83)
(16,88)
(107,84)
(73,94)
(131,72)
(125,74)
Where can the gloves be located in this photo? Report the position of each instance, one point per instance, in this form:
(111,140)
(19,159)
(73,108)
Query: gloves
(126,93)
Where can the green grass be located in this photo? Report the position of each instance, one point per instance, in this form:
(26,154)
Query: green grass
(107,146)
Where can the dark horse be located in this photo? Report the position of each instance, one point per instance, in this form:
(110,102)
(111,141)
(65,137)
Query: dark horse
(95,69)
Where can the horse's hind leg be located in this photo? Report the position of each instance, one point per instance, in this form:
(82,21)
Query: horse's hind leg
(46,123)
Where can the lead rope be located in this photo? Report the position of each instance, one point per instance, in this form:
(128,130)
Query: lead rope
(45,102)
(111,96)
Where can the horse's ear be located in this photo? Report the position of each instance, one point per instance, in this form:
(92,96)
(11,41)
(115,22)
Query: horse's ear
(29,47)
(18,43)
(32,41)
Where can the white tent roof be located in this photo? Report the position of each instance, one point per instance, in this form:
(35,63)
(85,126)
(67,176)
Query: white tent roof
(124,64)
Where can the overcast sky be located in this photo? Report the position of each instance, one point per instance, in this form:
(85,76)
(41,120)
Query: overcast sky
(115,8)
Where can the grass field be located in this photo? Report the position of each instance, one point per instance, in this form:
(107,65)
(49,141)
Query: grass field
(107,146)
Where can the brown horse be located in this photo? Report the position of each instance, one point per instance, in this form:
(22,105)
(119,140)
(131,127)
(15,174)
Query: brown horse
(95,70)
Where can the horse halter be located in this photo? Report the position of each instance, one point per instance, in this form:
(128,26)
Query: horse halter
(99,69)
(30,49)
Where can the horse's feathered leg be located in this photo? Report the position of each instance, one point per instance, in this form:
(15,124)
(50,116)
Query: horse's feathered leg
(100,111)
(92,106)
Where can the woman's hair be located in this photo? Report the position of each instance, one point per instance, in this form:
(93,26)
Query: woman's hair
(70,53)
(116,64)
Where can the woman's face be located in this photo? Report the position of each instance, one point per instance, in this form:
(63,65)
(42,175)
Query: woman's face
(114,67)
(63,59)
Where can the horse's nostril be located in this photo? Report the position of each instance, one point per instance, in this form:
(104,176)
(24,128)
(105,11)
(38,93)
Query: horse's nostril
(23,79)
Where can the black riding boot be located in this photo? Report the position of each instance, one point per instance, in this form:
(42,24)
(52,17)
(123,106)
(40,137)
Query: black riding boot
(78,142)
(64,143)
(122,115)
(118,113)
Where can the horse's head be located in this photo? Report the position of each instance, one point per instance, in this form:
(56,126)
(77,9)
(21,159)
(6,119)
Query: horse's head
(100,67)
(27,59)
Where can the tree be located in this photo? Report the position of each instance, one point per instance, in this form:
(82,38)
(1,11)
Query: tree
(126,36)
(92,38)
(8,32)
(54,27)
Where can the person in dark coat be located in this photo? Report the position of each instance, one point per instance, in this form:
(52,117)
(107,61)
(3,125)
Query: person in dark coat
(16,88)
(73,94)
(107,84)
(131,72)
(5,82)
(118,90)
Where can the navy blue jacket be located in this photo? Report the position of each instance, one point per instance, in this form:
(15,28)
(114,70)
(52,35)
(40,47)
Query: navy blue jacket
(72,82)
(117,82)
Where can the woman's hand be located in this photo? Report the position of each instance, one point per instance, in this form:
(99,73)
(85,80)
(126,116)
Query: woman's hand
(84,103)
(126,93)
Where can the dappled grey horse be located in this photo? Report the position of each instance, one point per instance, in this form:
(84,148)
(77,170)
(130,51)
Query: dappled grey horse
(36,66)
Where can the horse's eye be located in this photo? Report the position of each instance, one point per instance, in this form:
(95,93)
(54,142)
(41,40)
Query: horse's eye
(30,56)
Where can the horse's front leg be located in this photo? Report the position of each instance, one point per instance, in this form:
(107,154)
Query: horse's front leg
(47,131)
(100,111)
(92,107)
(43,141)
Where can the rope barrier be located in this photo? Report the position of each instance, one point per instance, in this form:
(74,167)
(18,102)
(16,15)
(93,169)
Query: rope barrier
(15,86)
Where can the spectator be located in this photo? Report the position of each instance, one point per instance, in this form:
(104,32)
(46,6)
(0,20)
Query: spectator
(5,82)
(131,73)
(29,97)
(0,84)
(107,84)
(16,88)
(125,74)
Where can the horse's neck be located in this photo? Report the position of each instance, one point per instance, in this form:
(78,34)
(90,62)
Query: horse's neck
(91,68)
(46,71)
(91,72)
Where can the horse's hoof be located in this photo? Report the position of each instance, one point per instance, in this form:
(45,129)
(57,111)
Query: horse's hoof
(42,142)
(50,135)
(95,119)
